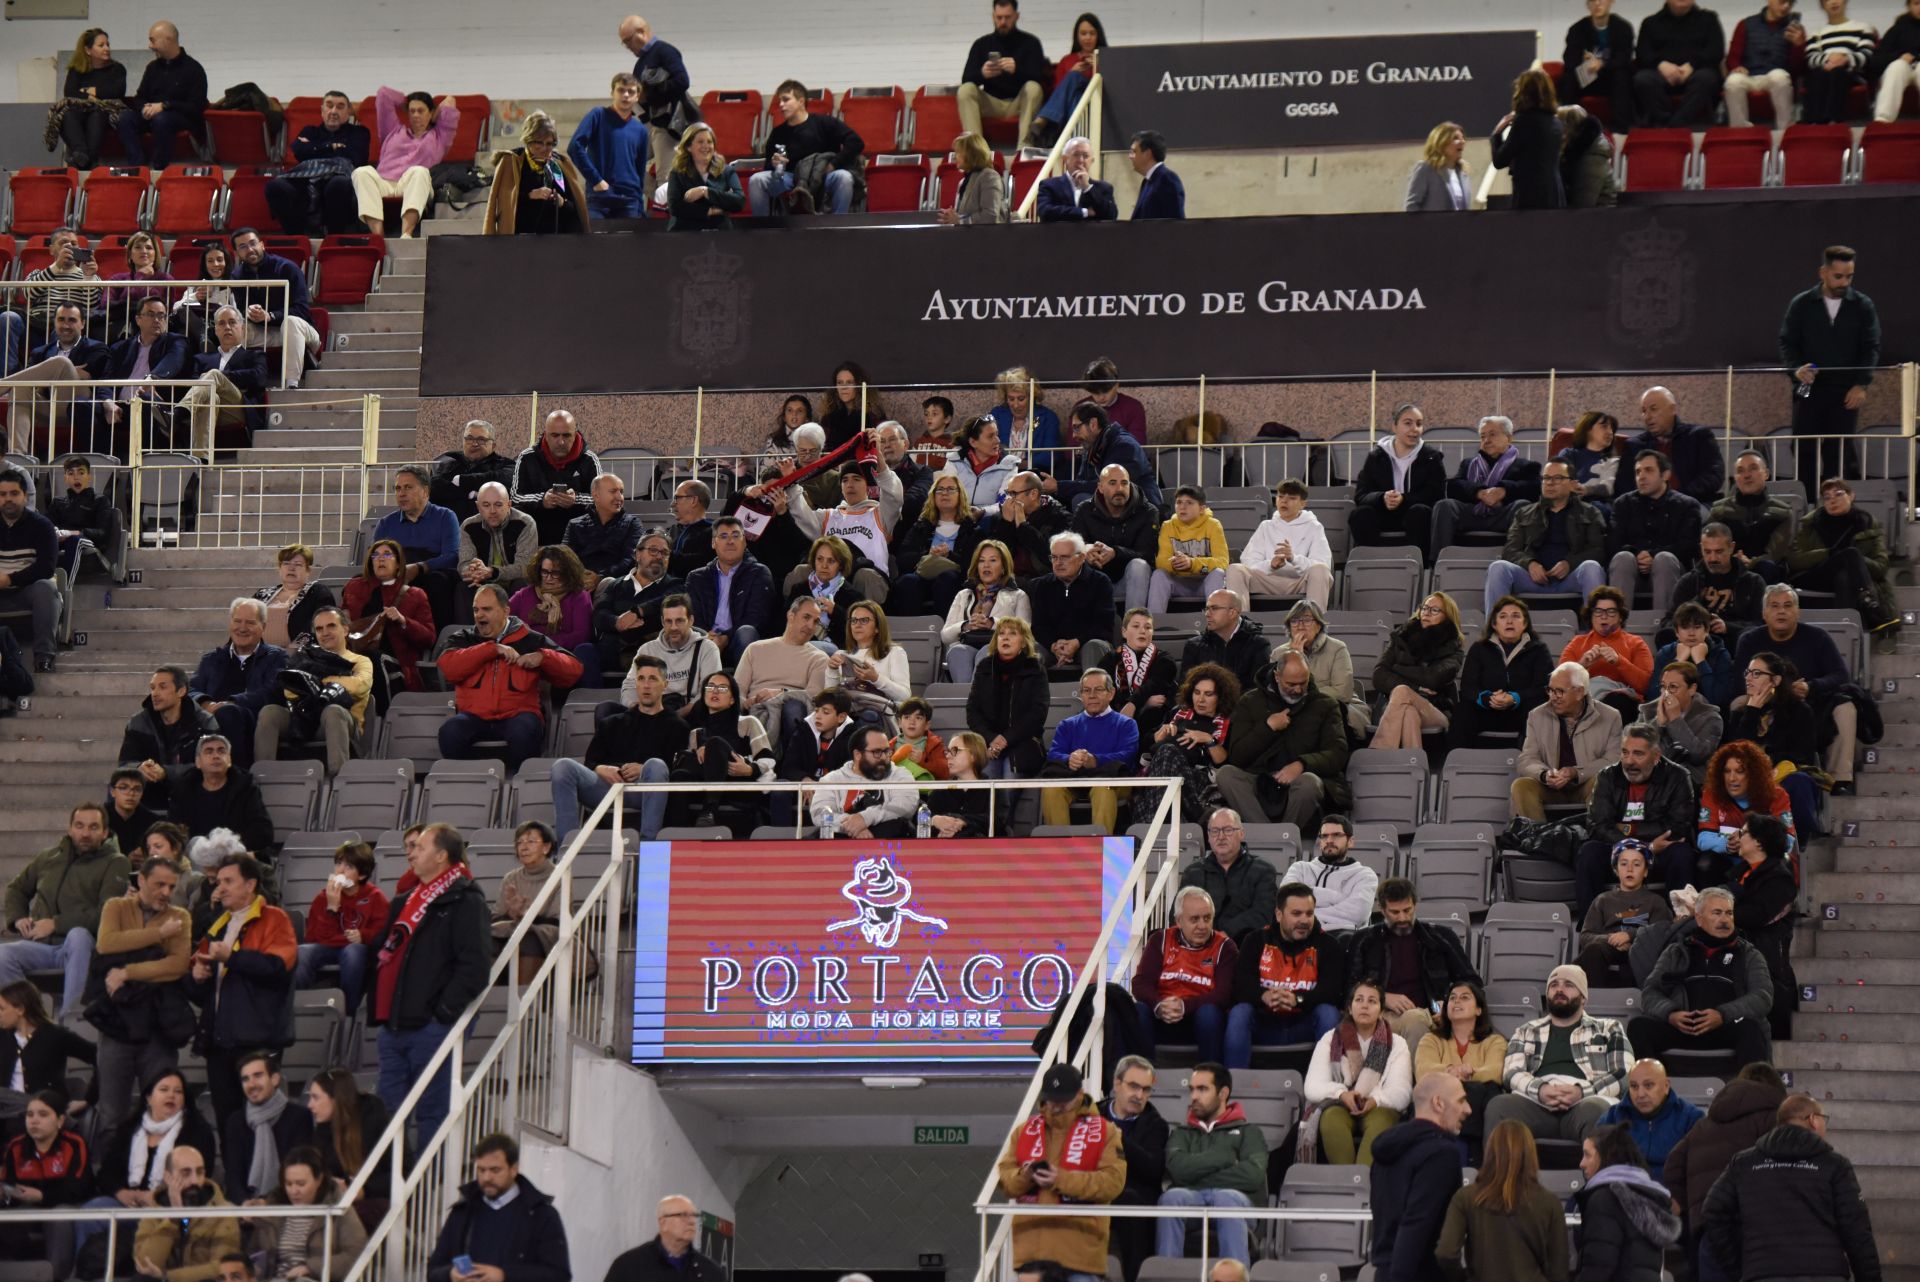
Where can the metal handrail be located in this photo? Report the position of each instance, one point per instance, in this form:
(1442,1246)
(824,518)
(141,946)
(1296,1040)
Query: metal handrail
(1085,119)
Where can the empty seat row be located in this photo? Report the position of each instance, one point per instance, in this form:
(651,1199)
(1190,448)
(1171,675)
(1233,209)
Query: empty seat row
(1806,156)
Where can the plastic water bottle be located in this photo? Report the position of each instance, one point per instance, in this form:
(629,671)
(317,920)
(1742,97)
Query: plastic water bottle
(826,820)
(1804,390)
(923,822)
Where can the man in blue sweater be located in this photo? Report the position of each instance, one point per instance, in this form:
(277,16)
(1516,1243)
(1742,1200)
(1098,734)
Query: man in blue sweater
(1655,1117)
(27,546)
(503,1226)
(610,147)
(1823,670)
(430,536)
(1097,743)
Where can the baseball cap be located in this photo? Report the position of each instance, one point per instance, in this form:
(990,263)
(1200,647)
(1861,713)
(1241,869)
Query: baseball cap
(1061,1085)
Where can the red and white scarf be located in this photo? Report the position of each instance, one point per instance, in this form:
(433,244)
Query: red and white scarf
(1133,667)
(393,954)
(1086,1141)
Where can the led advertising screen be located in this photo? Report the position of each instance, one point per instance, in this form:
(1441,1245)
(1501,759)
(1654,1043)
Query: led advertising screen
(845,951)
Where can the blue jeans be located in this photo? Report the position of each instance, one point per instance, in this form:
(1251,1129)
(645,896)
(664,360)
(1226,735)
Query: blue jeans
(523,731)
(1249,1025)
(616,202)
(1227,1238)
(575,786)
(764,186)
(1504,578)
(72,955)
(151,142)
(1066,96)
(1205,1026)
(352,959)
(403,1057)
(737,642)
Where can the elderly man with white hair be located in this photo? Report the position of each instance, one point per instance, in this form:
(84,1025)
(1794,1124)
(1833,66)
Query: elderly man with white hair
(671,1254)
(231,377)
(1487,488)
(235,680)
(1184,982)
(1076,196)
(1699,468)
(1569,740)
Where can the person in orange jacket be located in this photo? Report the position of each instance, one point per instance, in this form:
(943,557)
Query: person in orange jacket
(242,980)
(495,669)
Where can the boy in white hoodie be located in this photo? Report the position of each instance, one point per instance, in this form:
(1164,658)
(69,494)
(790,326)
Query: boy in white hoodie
(1288,554)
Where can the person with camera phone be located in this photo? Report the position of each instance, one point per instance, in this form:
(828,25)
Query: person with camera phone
(324,689)
(1066,1152)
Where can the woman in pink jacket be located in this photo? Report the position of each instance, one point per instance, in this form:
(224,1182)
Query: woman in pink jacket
(414,135)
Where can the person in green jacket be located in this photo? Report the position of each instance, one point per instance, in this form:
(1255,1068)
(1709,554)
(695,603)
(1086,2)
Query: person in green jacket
(1286,749)
(1844,552)
(1510,1227)
(54,903)
(1215,1158)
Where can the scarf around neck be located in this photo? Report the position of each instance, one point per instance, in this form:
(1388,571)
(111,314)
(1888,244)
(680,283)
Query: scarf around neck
(152,1143)
(400,937)
(1482,475)
(266,1146)
(1361,1065)
(1134,667)
(573,454)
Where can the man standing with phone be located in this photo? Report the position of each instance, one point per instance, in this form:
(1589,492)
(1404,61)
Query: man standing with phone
(1067,1152)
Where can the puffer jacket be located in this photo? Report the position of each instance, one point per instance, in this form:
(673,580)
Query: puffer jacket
(1424,658)
(1625,1227)
(1762,524)
(1693,952)
(1791,1207)
(1078,1244)
(1739,1115)
(1244,653)
(487,686)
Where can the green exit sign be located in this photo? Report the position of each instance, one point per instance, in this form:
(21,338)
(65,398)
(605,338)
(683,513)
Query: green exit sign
(939,1135)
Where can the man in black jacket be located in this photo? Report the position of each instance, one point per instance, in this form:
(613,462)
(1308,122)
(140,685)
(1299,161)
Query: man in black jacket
(1725,590)
(1072,609)
(1830,339)
(1224,636)
(1488,487)
(1007,74)
(1655,531)
(1710,990)
(234,681)
(1027,522)
(214,793)
(1418,963)
(1122,532)
(434,955)
(1643,796)
(605,535)
(1791,1207)
(553,478)
(165,732)
(1289,980)
(1143,1134)
(1761,522)
(1679,51)
(268,1116)
(671,1255)
(1699,469)
(691,535)
(459,474)
(326,203)
(171,100)
(733,593)
(1416,1172)
(1241,883)
(627,614)
(505,1225)
(635,745)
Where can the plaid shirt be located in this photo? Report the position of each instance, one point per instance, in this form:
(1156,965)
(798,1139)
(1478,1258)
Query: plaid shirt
(1599,1044)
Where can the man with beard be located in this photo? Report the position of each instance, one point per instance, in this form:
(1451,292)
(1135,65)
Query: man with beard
(459,474)
(686,654)
(165,732)
(1417,963)
(270,311)
(844,806)
(1760,521)
(1143,1135)
(54,904)
(1122,534)
(1710,990)
(1727,590)
(1643,796)
(632,610)
(271,1126)
(1656,528)
(1343,887)
(1286,747)
(1564,1069)
(164,1247)
(1215,1158)
(1103,444)
(1287,981)
(1067,1152)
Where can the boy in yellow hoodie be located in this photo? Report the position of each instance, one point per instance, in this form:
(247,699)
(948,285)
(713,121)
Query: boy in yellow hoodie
(1193,556)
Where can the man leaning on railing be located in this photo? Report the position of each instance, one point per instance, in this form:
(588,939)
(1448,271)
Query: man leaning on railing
(1067,1152)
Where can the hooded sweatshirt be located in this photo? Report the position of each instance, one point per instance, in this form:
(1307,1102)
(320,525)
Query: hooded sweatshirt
(1201,538)
(1304,532)
(1228,1152)
(1626,1225)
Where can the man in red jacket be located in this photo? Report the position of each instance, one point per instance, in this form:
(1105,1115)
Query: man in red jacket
(496,670)
(242,979)
(1184,983)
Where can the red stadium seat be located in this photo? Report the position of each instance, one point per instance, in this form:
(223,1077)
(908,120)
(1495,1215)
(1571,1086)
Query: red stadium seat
(368,114)
(1890,152)
(1736,157)
(322,325)
(936,119)
(874,112)
(239,137)
(183,257)
(297,115)
(735,117)
(110,254)
(8,249)
(42,199)
(247,200)
(297,250)
(476,119)
(36,252)
(115,200)
(896,184)
(1025,174)
(349,265)
(1656,159)
(1815,155)
(948,176)
(187,200)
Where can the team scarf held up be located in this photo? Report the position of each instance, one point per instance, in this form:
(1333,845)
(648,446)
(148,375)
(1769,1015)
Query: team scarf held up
(756,514)
(393,954)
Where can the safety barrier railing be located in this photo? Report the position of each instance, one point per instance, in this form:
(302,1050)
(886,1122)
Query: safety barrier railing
(110,308)
(119,1222)
(1084,121)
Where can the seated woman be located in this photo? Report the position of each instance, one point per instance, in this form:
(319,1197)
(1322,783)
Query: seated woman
(830,583)
(295,1246)
(1594,456)
(1616,917)
(1503,678)
(1330,662)
(728,747)
(1465,1046)
(989,596)
(133,1158)
(292,602)
(874,671)
(1781,723)
(1144,676)
(92,94)
(347,1123)
(1693,642)
(1764,890)
(1192,743)
(36,1050)
(45,1168)
(343,922)
(1015,387)
(556,604)
(1418,676)
(1193,556)
(701,190)
(982,464)
(390,617)
(1690,727)
(1007,706)
(965,812)
(143,269)
(929,559)
(1360,1079)
(1739,782)
(537,190)
(415,133)
(1619,665)
(1842,550)
(193,311)
(533,844)
(1071,76)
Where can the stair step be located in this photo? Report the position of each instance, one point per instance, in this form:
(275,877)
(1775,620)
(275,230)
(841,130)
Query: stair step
(1871,1148)
(1902,809)
(360,356)
(1890,1183)
(1876,1115)
(404,282)
(399,340)
(1866,944)
(407,304)
(1858,918)
(1851,858)
(1821,1029)
(1877,888)
(386,380)
(385,321)
(1847,998)
(1873,1070)
(179,645)
(322,396)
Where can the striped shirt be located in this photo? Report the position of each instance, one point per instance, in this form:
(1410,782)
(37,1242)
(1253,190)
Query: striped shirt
(1855,39)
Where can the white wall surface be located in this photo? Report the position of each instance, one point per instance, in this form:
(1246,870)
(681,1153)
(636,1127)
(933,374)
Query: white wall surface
(567,48)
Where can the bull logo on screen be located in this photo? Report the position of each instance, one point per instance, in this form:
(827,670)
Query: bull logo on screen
(881,895)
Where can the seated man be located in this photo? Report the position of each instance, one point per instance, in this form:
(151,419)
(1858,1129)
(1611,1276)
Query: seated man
(1699,470)
(1288,980)
(1286,748)
(1288,555)
(63,280)
(1654,1116)
(1680,50)
(233,385)
(799,136)
(496,671)
(504,1224)
(28,547)
(1564,1069)
(1488,487)
(1417,962)
(1097,742)
(1710,990)
(821,743)
(1007,74)
(68,355)
(276,318)
(690,537)
(1759,520)
(1728,592)
(635,745)
(845,805)
(1076,196)
(128,815)
(459,474)
(1570,739)
(214,793)
(1241,883)
(1122,532)
(605,535)
(1027,522)
(1184,982)
(609,147)
(234,681)
(915,477)
(1343,887)
(1072,609)
(630,613)
(1648,798)
(778,676)
(687,656)
(1554,544)
(171,101)
(1766,53)
(554,476)
(1091,1168)
(497,541)
(1655,531)
(1616,917)
(415,132)
(1214,1158)
(428,534)
(54,904)
(150,353)
(270,1119)
(1822,672)
(164,1246)
(323,203)
(1192,556)
(1227,637)
(338,724)
(1103,444)
(864,519)
(732,594)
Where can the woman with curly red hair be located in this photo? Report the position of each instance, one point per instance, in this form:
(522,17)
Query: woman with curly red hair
(1739,783)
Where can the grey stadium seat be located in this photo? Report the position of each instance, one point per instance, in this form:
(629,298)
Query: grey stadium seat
(319,1021)
(1452,865)
(466,794)
(413,727)
(1389,785)
(1381,578)
(291,790)
(1329,1187)
(371,796)
(1522,942)
(1477,786)
(530,794)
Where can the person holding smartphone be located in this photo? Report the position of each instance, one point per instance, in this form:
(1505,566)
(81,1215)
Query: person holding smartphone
(502,1226)
(1067,1152)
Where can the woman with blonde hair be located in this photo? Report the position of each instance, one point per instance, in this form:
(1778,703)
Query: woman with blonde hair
(1015,387)
(1508,1225)
(929,556)
(143,267)
(701,190)
(1417,678)
(537,190)
(1439,182)
(982,194)
(990,595)
(1007,706)
(91,99)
